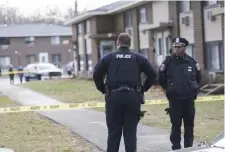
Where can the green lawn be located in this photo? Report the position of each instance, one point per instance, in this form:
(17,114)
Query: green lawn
(209,115)
(75,90)
(208,123)
(26,132)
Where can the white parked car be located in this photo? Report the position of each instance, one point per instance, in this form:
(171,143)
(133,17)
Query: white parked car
(38,70)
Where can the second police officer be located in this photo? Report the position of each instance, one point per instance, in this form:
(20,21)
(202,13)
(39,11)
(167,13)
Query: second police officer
(123,92)
(179,75)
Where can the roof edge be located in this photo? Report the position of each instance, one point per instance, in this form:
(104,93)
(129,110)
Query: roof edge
(94,13)
(124,7)
(83,17)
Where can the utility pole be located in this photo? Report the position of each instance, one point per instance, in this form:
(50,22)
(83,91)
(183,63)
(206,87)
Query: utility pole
(76,8)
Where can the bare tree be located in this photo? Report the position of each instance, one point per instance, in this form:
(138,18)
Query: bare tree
(69,13)
(11,15)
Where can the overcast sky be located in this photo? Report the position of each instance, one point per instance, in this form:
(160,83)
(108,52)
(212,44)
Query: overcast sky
(28,6)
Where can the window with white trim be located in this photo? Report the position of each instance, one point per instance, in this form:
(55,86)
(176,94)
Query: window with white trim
(211,2)
(81,62)
(88,27)
(29,40)
(190,50)
(159,44)
(89,61)
(55,40)
(56,58)
(31,58)
(184,6)
(5,61)
(214,56)
(144,52)
(80,28)
(143,15)
(4,43)
(128,19)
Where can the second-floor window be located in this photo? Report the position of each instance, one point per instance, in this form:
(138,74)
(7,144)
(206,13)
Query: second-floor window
(88,27)
(128,19)
(184,6)
(210,2)
(55,40)
(29,40)
(143,15)
(4,41)
(79,28)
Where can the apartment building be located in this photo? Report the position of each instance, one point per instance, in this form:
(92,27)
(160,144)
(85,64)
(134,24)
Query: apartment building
(152,25)
(28,43)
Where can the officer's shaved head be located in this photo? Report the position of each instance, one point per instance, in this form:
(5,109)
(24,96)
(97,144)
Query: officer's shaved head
(124,39)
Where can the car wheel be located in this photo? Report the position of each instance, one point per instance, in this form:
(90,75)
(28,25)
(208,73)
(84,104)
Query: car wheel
(27,79)
(39,76)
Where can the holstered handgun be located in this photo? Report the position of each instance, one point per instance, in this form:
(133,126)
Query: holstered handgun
(139,90)
(106,90)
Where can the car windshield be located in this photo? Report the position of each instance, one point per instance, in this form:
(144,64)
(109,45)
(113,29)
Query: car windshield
(45,67)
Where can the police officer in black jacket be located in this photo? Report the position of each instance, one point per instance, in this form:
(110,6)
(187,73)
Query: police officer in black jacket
(123,92)
(179,75)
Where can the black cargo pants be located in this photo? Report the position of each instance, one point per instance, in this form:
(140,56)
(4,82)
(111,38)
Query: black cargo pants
(122,116)
(182,110)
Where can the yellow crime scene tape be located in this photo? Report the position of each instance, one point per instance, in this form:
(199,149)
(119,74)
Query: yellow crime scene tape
(92,105)
(14,72)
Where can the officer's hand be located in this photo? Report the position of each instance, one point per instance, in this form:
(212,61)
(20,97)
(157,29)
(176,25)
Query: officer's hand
(167,110)
(162,67)
(142,114)
(142,102)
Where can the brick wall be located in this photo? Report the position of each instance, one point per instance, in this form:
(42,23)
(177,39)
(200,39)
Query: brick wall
(135,28)
(222,22)
(174,16)
(93,41)
(150,33)
(199,37)
(74,32)
(119,24)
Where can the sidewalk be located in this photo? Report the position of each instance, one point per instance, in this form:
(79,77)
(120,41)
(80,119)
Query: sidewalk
(90,124)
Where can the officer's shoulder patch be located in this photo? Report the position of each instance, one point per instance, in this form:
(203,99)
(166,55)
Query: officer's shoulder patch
(162,67)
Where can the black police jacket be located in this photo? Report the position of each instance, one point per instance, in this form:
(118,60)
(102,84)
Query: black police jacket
(180,77)
(123,67)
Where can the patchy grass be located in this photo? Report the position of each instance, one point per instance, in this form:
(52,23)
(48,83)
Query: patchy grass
(75,90)
(209,115)
(30,132)
(209,120)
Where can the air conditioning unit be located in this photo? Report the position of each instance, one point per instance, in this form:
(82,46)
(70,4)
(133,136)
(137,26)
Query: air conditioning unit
(4,47)
(210,16)
(185,20)
(31,38)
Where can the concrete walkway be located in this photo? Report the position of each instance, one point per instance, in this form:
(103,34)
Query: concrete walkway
(89,124)
(6,150)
